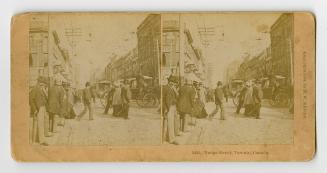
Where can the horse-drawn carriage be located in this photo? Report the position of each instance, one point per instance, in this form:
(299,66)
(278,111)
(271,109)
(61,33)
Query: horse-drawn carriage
(143,91)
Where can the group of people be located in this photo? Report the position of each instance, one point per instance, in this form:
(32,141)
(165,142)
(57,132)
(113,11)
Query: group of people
(250,98)
(185,104)
(118,97)
(51,104)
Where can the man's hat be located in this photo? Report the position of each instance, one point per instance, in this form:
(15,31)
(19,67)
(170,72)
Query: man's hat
(42,79)
(172,78)
(219,83)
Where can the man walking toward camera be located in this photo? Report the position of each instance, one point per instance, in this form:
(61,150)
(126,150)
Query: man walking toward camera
(257,97)
(219,101)
(169,101)
(88,102)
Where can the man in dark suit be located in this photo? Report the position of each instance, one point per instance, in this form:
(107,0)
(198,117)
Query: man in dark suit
(56,94)
(169,101)
(38,101)
(88,101)
(126,97)
(241,99)
(185,102)
(257,97)
(109,98)
(219,101)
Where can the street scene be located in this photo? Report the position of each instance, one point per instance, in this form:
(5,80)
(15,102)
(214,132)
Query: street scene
(94,79)
(227,78)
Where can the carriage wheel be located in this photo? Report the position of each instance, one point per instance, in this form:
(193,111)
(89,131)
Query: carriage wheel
(139,101)
(281,100)
(149,100)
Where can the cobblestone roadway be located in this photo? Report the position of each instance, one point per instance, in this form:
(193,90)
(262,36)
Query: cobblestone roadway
(274,127)
(142,128)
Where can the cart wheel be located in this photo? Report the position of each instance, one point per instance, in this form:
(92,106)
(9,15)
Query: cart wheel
(149,100)
(139,101)
(281,100)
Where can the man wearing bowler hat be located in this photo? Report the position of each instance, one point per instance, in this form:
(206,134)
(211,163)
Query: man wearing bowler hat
(257,97)
(169,101)
(38,102)
(219,101)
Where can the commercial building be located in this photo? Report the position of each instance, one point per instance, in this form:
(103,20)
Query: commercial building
(38,45)
(179,55)
(170,46)
(256,67)
(123,67)
(47,57)
(60,66)
(282,43)
(149,45)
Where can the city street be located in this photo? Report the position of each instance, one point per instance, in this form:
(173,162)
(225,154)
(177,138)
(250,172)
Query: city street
(142,128)
(274,127)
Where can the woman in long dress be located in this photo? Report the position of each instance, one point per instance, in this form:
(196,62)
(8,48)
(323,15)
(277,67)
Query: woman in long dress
(117,101)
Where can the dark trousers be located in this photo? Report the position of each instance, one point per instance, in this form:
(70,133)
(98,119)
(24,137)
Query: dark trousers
(248,109)
(182,121)
(108,105)
(87,107)
(51,121)
(117,110)
(125,109)
(256,110)
(239,106)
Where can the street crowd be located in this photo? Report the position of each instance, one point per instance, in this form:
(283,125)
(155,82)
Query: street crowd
(182,105)
(51,105)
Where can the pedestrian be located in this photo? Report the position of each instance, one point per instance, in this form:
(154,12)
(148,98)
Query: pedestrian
(219,101)
(38,101)
(117,100)
(56,93)
(257,98)
(197,107)
(126,97)
(225,90)
(185,102)
(93,93)
(109,95)
(87,101)
(248,99)
(169,101)
(68,102)
(241,96)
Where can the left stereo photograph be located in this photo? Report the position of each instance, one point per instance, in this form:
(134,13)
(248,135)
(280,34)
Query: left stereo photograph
(94,79)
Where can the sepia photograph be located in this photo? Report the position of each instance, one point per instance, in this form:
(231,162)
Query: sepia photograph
(171,86)
(227,78)
(94,79)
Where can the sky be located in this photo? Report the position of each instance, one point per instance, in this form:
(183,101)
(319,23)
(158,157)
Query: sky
(235,36)
(99,37)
